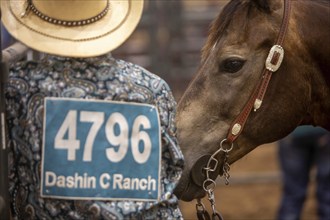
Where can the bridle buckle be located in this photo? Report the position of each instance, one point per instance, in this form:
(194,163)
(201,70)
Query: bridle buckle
(275,58)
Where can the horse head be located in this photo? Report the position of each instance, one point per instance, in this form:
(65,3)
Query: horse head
(233,60)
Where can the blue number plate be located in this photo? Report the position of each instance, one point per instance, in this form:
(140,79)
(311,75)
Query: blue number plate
(100,150)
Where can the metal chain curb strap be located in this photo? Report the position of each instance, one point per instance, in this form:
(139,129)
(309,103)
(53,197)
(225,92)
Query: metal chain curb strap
(209,184)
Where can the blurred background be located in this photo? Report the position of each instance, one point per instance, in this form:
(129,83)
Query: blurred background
(167,42)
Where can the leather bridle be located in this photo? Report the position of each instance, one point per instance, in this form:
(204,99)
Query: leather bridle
(272,64)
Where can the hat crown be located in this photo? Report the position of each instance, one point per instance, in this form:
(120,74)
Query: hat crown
(73,10)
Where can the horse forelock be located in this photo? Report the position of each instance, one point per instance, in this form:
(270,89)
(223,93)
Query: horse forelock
(224,19)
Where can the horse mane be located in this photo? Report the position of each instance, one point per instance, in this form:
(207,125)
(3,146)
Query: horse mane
(220,24)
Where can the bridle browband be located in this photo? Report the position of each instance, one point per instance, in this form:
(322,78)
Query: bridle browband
(272,64)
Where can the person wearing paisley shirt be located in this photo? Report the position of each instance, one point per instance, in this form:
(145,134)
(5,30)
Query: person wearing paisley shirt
(78,65)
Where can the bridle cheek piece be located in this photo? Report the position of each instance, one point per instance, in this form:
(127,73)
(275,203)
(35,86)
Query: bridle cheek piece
(272,64)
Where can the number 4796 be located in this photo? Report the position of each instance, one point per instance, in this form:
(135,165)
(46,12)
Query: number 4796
(120,139)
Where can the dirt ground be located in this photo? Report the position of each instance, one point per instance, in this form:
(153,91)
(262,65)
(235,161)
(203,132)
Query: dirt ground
(254,191)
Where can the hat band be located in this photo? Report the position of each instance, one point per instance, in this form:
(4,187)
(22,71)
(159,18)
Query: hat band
(31,7)
(18,17)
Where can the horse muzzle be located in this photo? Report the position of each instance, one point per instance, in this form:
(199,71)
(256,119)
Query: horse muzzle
(198,171)
(191,185)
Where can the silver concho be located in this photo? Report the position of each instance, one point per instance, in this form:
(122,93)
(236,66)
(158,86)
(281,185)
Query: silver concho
(275,58)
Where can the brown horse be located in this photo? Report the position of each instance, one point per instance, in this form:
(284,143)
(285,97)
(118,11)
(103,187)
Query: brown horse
(232,66)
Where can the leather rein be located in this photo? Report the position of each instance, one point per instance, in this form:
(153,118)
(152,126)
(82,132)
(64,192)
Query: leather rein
(272,64)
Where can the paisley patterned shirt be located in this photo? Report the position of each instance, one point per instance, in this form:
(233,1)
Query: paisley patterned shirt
(103,78)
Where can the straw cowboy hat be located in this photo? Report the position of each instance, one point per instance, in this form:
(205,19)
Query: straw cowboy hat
(72,28)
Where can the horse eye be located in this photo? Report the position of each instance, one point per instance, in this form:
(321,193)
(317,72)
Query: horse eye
(232,65)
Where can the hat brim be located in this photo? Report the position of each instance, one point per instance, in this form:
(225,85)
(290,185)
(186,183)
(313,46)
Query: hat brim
(89,40)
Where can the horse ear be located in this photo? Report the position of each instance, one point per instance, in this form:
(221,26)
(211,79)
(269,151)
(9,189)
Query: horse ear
(268,5)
